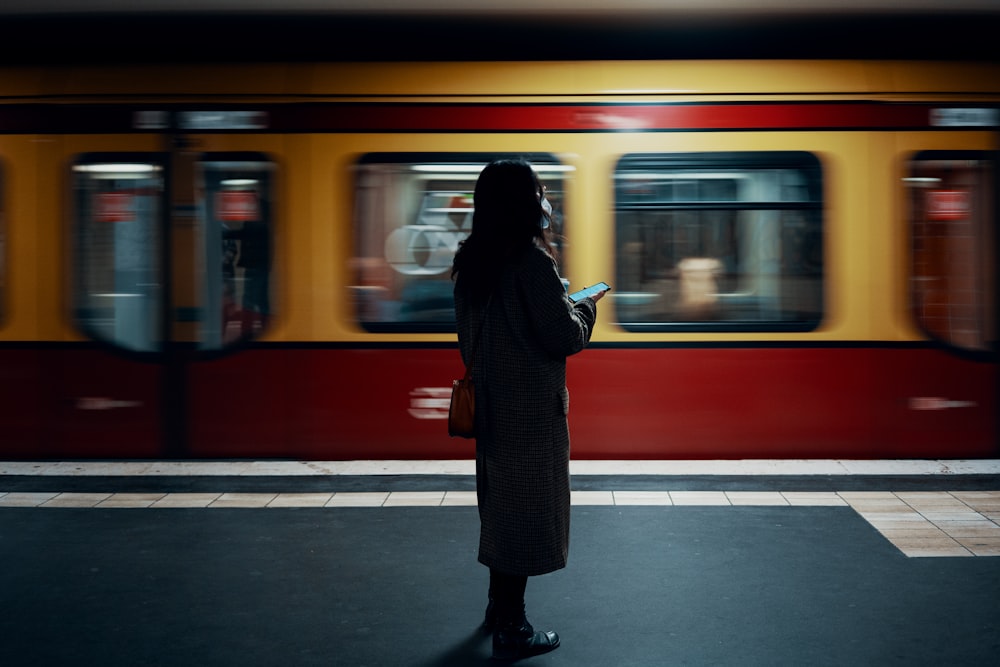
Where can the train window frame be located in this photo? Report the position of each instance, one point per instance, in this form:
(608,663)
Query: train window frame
(374,275)
(952,206)
(689,289)
(254,308)
(151,294)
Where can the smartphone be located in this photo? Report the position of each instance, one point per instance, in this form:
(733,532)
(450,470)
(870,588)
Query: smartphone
(589,291)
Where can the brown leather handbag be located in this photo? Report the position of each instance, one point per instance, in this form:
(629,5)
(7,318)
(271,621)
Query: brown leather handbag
(462,413)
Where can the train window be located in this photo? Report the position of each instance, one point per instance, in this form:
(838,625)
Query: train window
(410,213)
(719,242)
(117,229)
(236,195)
(951,214)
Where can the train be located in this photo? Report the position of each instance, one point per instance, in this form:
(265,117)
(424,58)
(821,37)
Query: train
(252,260)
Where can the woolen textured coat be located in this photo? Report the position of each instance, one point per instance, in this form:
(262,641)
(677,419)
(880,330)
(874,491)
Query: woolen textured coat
(522,433)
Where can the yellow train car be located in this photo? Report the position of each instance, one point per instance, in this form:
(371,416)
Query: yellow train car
(253,260)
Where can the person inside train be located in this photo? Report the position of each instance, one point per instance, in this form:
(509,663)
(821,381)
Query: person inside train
(516,327)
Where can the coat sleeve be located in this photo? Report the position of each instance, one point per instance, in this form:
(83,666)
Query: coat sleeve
(561,327)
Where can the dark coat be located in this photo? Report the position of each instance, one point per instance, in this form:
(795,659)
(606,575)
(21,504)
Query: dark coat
(522,434)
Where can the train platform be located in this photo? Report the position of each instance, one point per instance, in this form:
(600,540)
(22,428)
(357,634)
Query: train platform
(373,563)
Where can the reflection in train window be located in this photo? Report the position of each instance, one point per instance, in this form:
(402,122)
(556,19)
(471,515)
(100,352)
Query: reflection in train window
(951,209)
(236,203)
(410,213)
(719,242)
(117,229)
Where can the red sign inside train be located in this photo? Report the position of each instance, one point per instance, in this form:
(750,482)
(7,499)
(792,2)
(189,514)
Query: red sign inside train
(947,204)
(113,207)
(237,206)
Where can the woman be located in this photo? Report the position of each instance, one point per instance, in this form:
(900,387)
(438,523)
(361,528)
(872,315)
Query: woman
(516,327)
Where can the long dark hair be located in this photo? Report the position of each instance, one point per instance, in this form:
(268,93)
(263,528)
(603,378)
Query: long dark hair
(507,220)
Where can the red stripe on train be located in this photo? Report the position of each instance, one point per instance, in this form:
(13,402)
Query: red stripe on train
(618,117)
(391,403)
(421,117)
(625,403)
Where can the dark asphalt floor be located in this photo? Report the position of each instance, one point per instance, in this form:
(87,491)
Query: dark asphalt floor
(400,587)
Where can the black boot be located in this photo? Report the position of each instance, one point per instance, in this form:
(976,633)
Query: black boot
(514,639)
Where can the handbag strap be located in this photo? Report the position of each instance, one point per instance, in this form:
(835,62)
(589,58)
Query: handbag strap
(477,339)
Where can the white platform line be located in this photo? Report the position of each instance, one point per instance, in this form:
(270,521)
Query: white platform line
(835,467)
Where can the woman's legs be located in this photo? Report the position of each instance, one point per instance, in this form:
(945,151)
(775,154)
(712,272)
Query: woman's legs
(513,636)
(507,595)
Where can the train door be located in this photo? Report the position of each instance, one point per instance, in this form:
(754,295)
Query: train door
(171,260)
(108,395)
(949,391)
(953,231)
(230,389)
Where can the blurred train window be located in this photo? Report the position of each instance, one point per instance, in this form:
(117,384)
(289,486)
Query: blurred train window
(952,202)
(118,214)
(719,242)
(410,213)
(236,196)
